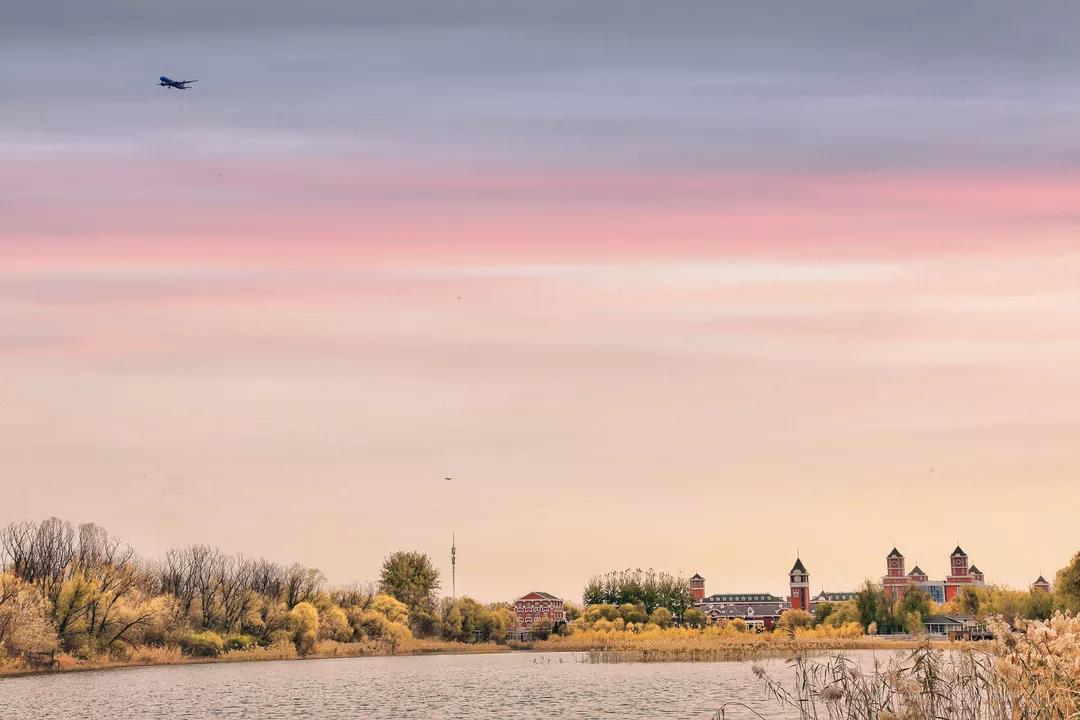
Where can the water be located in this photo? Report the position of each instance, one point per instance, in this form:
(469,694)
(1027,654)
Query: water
(478,687)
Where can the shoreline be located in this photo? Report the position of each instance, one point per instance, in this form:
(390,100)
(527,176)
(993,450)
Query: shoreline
(225,660)
(626,655)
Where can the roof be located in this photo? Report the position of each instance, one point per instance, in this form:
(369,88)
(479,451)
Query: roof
(537,595)
(1041,581)
(958,552)
(830,596)
(943,620)
(696,577)
(917,571)
(974,570)
(798,566)
(895,553)
(744,598)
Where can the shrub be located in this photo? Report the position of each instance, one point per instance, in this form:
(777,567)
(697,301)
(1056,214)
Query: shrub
(304,622)
(201,644)
(661,617)
(239,641)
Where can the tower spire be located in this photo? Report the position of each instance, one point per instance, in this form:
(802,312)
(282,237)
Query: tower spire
(453,565)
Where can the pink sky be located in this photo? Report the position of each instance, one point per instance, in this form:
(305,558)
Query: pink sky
(618,370)
(691,286)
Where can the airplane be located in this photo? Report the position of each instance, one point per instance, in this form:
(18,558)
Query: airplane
(174,84)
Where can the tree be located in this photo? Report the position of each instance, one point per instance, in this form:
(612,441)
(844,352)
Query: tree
(541,629)
(650,588)
(914,600)
(872,604)
(1067,585)
(603,611)
(304,623)
(822,611)
(633,613)
(792,620)
(968,602)
(412,578)
(661,617)
(26,630)
(695,618)
(843,613)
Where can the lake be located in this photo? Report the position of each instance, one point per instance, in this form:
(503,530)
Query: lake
(477,687)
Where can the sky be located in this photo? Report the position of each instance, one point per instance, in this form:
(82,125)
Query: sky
(697,286)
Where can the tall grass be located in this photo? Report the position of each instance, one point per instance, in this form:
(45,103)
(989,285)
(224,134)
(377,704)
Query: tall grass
(707,645)
(1031,672)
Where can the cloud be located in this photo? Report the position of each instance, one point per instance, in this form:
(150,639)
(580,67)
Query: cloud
(819,86)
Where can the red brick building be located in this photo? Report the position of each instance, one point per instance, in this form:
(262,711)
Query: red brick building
(960,574)
(799,583)
(758,610)
(1041,585)
(697,588)
(536,606)
(896,581)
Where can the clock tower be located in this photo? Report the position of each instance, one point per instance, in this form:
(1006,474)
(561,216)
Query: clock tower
(800,586)
(697,588)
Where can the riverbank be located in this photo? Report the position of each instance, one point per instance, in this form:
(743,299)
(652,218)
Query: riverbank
(148,656)
(609,647)
(678,645)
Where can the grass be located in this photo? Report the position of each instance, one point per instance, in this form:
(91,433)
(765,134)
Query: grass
(707,645)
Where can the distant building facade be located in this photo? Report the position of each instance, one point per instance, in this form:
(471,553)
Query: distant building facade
(953,626)
(697,588)
(799,587)
(757,610)
(536,606)
(831,596)
(896,581)
(1041,585)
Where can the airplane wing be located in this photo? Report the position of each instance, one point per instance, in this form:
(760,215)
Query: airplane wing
(185,82)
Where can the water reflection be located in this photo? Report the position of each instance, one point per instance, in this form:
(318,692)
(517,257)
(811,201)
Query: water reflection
(477,687)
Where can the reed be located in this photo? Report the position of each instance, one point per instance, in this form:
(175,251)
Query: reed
(706,645)
(1031,672)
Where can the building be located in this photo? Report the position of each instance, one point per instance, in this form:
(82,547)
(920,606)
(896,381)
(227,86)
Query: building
(799,584)
(953,626)
(697,588)
(896,581)
(961,574)
(1040,585)
(830,596)
(537,606)
(758,610)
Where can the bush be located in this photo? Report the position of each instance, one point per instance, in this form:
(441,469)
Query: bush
(541,629)
(239,641)
(304,622)
(661,617)
(201,644)
(792,620)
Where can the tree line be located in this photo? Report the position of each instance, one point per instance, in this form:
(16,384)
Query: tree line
(83,592)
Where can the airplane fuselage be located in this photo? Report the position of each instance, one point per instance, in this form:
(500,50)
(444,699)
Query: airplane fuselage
(174,84)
